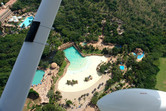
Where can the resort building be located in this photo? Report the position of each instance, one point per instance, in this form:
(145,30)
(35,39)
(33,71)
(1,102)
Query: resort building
(5,12)
(14,19)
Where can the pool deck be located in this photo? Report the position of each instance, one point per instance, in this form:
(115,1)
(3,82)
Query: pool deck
(65,46)
(138,60)
(43,88)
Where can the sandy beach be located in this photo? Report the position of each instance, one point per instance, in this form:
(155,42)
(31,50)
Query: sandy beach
(79,75)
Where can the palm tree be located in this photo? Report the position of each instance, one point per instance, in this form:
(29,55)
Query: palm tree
(68,103)
(23,26)
(58,95)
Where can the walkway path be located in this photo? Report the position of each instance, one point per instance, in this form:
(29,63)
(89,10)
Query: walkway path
(43,88)
(100,44)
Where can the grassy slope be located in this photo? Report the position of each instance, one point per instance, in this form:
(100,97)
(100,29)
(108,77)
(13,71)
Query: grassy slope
(161,76)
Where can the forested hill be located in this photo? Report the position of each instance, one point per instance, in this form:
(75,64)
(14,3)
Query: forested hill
(10,46)
(143,19)
(144,24)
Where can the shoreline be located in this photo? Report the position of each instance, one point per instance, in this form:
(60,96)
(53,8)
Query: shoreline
(80,76)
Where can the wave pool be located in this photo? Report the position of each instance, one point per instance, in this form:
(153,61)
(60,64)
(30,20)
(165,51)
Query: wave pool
(77,61)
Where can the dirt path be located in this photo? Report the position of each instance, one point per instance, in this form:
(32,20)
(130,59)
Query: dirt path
(100,44)
(43,88)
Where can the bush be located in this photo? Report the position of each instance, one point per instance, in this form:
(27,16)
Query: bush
(86,79)
(46,52)
(49,107)
(104,51)
(33,94)
(68,103)
(95,98)
(57,96)
(59,57)
(43,64)
(69,82)
(50,94)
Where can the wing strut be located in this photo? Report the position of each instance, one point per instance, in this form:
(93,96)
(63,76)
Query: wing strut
(20,80)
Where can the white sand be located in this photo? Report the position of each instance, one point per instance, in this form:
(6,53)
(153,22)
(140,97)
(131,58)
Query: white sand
(89,69)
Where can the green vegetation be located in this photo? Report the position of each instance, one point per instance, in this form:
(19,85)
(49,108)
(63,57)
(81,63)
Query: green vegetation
(61,69)
(29,5)
(59,57)
(30,107)
(95,98)
(55,79)
(71,82)
(52,107)
(88,78)
(33,94)
(4,1)
(53,97)
(89,50)
(58,96)
(10,46)
(143,22)
(48,107)
(161,76)
(104,67)
(68,103)
(50,94)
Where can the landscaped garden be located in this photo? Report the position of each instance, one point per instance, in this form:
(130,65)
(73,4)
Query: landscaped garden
(161,76)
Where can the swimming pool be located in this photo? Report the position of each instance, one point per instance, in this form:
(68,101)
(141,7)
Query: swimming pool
(38,77)
(134,54)
(121,67)
(139,56)
(27,21)
(77,61)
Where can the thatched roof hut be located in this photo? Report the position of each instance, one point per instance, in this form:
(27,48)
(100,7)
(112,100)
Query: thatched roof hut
(53,65)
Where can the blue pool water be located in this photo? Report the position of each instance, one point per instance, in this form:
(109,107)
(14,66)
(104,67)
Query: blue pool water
(38,77)
(138,56)
(134,54)
(27,21)
(121,67)
(77,61)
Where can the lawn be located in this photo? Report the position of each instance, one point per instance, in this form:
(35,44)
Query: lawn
(161,76)
(61,70)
